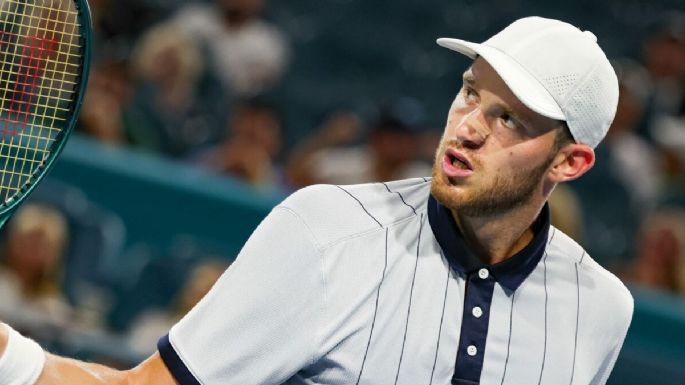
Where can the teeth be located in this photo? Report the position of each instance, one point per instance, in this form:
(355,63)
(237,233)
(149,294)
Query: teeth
(457,163)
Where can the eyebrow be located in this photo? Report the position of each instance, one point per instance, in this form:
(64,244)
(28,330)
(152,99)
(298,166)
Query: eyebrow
(470,79)
(517,116)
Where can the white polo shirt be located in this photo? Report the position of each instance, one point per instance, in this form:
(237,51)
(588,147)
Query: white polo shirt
(373,284)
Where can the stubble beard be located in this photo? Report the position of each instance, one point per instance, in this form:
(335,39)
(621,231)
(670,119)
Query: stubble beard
(503,194)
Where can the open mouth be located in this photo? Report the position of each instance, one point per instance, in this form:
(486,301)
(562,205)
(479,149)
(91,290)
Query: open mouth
(458,160)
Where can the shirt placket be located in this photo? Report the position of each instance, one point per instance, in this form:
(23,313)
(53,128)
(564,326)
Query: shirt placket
(480,286)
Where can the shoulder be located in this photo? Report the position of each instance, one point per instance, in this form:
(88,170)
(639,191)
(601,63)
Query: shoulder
(599,287)
(613,295)
(334,212)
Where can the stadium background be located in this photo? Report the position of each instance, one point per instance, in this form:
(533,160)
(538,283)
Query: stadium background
(162,175)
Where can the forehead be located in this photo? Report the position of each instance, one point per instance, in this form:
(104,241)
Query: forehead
(483,78)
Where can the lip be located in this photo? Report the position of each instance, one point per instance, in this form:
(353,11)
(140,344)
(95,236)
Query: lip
(452,171)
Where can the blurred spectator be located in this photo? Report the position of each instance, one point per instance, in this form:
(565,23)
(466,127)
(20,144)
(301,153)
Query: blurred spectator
(251,147)
(102,112)
(660,258)
(665,61)
(247,53)
(628,177)
(154,323)
(118,23)
(391,152)
(610,218)
(340,128)
(37,238)
(171,111)
(633,160)
(566,212)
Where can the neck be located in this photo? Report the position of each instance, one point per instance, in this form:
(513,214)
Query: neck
(498,237)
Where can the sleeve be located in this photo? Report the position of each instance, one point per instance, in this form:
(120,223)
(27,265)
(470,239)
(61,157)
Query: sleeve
(602,375)
(258,324)
(607,366)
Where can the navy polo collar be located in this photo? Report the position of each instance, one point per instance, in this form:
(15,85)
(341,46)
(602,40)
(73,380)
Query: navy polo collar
(509,273)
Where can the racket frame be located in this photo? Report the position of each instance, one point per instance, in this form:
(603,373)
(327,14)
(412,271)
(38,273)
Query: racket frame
(84,19)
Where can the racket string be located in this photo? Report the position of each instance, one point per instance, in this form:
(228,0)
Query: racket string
(41,60)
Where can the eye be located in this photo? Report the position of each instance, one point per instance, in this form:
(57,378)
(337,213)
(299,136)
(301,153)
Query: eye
(509,121)
(470,95)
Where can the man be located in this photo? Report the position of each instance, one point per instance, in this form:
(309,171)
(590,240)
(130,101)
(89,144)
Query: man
(458,279)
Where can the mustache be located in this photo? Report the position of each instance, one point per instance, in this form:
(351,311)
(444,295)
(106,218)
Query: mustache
(457,145)
(452,143)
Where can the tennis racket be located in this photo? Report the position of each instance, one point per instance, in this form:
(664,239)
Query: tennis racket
(44,59)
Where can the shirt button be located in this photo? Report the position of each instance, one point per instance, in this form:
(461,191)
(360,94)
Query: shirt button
(483,273)
(477,312)
(471,350)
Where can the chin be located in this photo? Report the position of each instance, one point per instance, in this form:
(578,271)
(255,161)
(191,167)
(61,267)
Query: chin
(444,191)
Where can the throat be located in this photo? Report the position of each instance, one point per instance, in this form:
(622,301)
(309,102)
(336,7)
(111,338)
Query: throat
(493,240)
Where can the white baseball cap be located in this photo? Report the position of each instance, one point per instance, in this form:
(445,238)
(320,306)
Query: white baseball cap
(556,70)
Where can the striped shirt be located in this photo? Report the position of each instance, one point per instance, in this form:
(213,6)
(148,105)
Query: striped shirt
(373,284)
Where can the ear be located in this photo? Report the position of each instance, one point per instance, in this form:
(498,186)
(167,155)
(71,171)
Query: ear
(571,162)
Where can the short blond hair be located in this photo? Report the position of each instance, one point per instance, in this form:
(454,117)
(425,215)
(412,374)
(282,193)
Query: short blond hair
(50,221)
(162,37)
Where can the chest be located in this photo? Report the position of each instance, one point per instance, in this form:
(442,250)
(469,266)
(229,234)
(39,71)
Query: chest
(418,324)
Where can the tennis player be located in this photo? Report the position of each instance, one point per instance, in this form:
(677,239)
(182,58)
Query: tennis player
(454,279)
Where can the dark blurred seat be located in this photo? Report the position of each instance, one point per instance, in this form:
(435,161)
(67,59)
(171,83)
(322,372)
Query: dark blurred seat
(674,196)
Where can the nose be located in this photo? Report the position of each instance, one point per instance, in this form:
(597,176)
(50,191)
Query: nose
(471,130)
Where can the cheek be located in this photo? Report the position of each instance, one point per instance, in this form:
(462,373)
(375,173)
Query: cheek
(513,162)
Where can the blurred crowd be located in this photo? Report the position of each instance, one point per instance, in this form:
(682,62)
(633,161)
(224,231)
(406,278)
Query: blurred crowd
(203,83)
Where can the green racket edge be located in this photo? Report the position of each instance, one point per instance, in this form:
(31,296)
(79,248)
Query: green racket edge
(86,21)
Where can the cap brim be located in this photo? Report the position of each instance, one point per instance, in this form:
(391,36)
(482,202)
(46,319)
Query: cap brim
(526,87)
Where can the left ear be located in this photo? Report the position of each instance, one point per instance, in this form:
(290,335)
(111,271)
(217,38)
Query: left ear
(571,162)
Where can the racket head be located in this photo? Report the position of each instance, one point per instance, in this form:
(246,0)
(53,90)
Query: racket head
(45,53)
